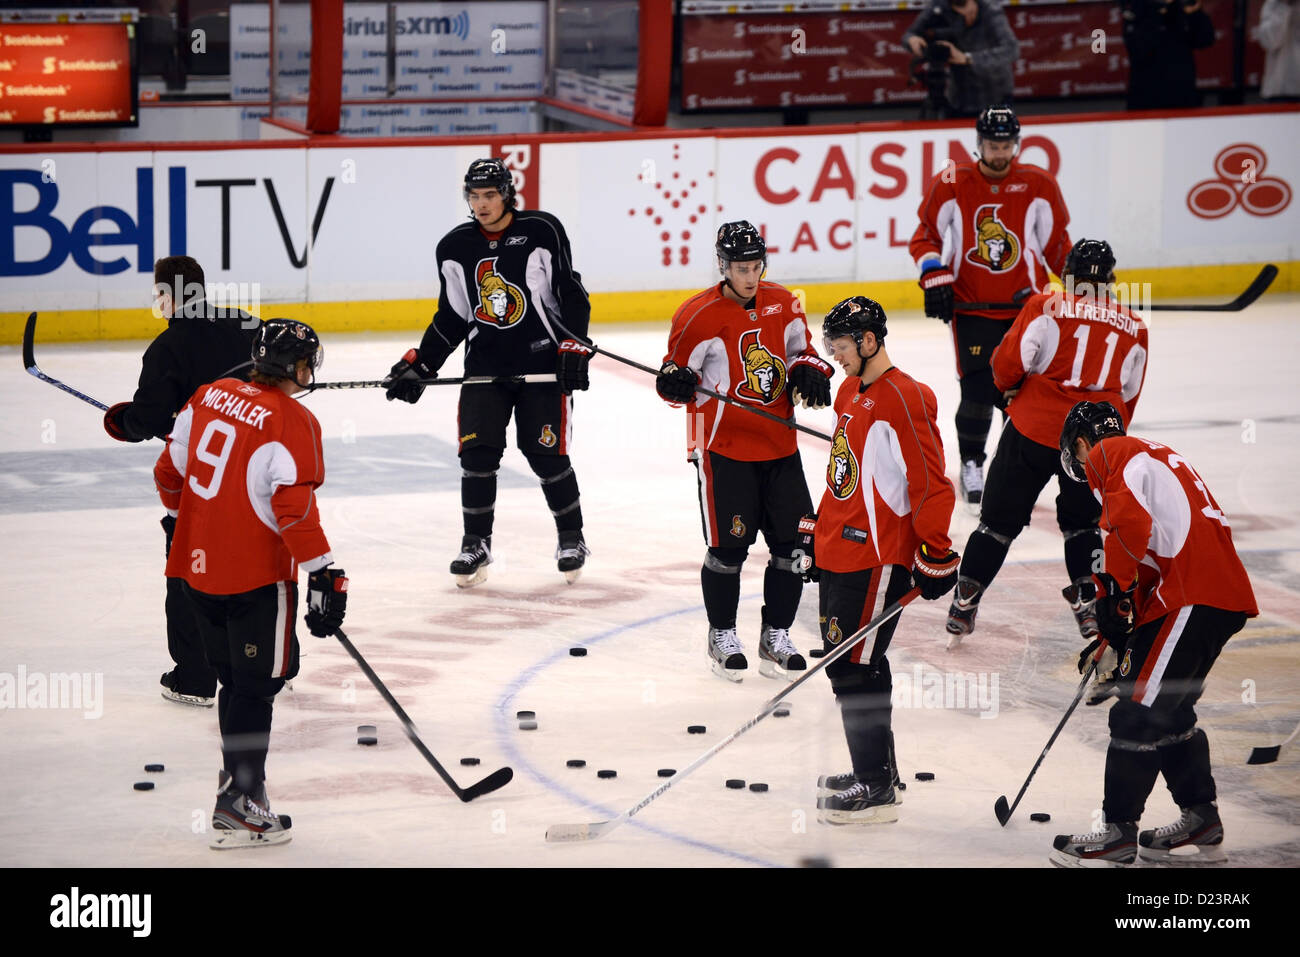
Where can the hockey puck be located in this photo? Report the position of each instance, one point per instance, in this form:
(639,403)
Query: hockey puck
(153,768)
(525,715)
(736,784)
(143,785)
(817,653)
(368,740)
(606,773)
(469,762)
(781,713)
(575,763)
(578,652)
(1040,816)
(758,787)
(367,729)
(667,772)
(527,725)
(925,775)
(695,729)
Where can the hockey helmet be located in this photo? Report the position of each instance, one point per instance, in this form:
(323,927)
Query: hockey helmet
(853,317)
(1093,421)
(281,343)
(740,242)
(491,173)
(1091,260)
(997,123)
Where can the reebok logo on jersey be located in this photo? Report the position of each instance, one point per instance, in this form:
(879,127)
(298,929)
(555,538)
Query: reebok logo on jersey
(516,240)
(1017,187)
(249,389)
(500,303)
(997,249)
(772,310)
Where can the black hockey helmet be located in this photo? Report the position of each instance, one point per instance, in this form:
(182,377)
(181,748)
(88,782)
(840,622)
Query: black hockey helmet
(280,343)
(997,123)
(740,242)
(853,317)
(1093,421)
(491,173)
(1091,260)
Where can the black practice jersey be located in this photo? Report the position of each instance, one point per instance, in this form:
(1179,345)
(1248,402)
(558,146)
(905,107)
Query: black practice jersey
(191,351)
(511,297)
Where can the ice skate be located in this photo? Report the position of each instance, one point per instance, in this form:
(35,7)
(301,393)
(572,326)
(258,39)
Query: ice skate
(862,802)
(1195,838)
(571,554)
(972,485)
(961,613)
(168,682)
(726,655)
(1082,596)
(1115,845)
(240,820)
(470,566)
(777,655)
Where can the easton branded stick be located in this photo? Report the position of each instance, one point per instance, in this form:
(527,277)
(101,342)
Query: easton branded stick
(1270,754)
(29,363)
(1258,286)
(572,833)
(497,779)
(1000,807)
(471,380)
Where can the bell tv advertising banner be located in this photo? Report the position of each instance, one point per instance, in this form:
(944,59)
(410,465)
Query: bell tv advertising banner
(64,74)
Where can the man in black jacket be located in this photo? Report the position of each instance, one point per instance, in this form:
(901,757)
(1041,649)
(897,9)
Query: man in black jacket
(201,343)
(1160,36)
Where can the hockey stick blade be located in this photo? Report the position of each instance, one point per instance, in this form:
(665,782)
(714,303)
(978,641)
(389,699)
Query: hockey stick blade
(1269,754)
(29,363)
(1256,289)
(579,833)
(1002,810)
(497,779)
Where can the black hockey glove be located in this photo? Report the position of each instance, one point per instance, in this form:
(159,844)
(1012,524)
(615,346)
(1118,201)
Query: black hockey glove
(935,573)
(113,422)
(327,600)
(403,381)
(1105,683)
(676,383)
(168,524)
(571,368)
(1115,614)
(937,284)
(804,554)
(810,382)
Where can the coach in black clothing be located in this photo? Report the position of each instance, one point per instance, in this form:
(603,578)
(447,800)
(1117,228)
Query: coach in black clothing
(201,343)
(1160,36)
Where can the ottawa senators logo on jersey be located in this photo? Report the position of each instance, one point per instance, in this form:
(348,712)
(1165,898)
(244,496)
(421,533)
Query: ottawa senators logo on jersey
(833,633)
(1125,667)
(996,248)
(764,372)
(842,470)
(737,527)
(499,303)
(547,438)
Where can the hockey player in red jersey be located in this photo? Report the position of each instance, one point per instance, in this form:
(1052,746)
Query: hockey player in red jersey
(1172,593)
(748,340)
(1064,347)
(509,291)
(881,528)
(1006,224)
(239,473)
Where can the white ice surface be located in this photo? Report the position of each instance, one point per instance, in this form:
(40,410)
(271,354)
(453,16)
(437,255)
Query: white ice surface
(83,563)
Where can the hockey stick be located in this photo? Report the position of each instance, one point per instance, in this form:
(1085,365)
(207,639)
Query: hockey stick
(1000,805)
(471,380)
(572,833)
(29,363)
(497,779)
(1258,286)
(1270,754)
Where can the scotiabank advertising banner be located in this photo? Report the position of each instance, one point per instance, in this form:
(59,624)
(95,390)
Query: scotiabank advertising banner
(359,221)
(74,73)
(760,56)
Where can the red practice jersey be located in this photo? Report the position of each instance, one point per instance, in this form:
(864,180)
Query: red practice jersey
(242,466)
(1163,527)
(886,491)
(743,354)
(1003,235)
(1062,350)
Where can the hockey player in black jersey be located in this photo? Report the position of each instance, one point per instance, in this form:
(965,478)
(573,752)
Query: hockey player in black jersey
(508,290)
(202,343)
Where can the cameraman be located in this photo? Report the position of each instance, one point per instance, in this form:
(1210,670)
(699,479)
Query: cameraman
(980,50)
(1160,36)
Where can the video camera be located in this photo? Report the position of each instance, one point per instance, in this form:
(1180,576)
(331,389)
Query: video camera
(930,69)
